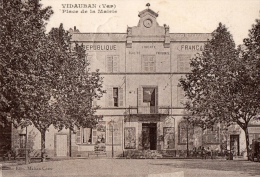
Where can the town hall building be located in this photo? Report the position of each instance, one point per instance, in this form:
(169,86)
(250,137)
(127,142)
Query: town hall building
(142,109)
(143,105)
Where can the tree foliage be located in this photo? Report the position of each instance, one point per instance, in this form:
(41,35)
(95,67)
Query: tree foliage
(205,86)
(22,27)
(222,85)
(43,81)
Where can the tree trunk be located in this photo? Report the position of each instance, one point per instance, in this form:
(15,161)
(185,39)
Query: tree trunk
(43,145)
(247,141)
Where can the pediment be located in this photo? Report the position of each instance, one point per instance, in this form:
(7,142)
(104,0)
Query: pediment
(147,25)
(146,12)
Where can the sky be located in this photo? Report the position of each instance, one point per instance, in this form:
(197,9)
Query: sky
(183,16)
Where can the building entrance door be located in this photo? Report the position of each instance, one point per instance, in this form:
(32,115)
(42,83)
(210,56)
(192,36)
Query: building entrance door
(61,145)
(149,136)
(234,144)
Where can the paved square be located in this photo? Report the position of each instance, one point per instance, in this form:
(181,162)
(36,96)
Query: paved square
(136,168)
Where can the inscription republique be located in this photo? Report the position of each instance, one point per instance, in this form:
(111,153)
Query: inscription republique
(100,47)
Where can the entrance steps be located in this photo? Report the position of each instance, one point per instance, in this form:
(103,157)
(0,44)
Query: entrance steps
(145,154)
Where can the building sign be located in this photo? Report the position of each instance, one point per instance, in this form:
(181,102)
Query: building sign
(168,135)
(101,47)
(130,138)
(190,47)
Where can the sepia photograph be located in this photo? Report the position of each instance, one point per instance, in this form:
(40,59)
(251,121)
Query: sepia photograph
(129,88)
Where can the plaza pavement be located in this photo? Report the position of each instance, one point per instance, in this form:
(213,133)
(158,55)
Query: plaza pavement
(135,168)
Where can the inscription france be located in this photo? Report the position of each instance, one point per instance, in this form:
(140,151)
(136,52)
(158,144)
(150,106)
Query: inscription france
(189,47)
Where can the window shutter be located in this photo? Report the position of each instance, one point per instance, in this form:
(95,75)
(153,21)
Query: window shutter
(187,66)
(88,59)
(94,103)
(181,98)
(140,99)
(180,64)
(152,64)
(78,136)
(109,64)
(121,97)
(109,134)
(115,64)
(156,100)
(118,132)
(145,64)
(183,62)
(94,136)
(109,97)
(117,140)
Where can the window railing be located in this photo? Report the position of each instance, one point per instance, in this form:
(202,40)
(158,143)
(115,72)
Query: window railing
(149,110)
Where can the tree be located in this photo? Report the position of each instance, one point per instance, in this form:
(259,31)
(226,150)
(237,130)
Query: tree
(77,87)
(22,27)
(208,76)
(62,87)
(250,76)
(43,82)
(221,87)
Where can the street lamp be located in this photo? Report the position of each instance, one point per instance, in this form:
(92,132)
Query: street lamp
(25,145)
(26,151)
(187,133)
(112,130)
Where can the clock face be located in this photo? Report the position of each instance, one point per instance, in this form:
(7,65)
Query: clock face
(148,23)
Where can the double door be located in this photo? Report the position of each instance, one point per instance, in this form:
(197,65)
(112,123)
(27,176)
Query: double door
(234,144)
(149,136)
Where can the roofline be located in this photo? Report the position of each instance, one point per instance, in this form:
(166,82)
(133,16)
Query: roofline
(126,33)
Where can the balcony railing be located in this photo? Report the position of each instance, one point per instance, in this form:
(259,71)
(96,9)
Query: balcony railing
(149,110)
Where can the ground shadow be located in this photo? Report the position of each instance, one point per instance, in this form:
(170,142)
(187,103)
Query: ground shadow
(243,167)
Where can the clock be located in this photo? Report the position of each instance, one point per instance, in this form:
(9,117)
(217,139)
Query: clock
(148,23)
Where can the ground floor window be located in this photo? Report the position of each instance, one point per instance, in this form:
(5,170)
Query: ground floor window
(253,136)
(87,135)
(93,135)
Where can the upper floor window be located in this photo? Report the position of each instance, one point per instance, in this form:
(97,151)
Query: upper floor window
(114,97)
(147,99)
(181,97)
(148,63)
(112,63)
(183,62)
